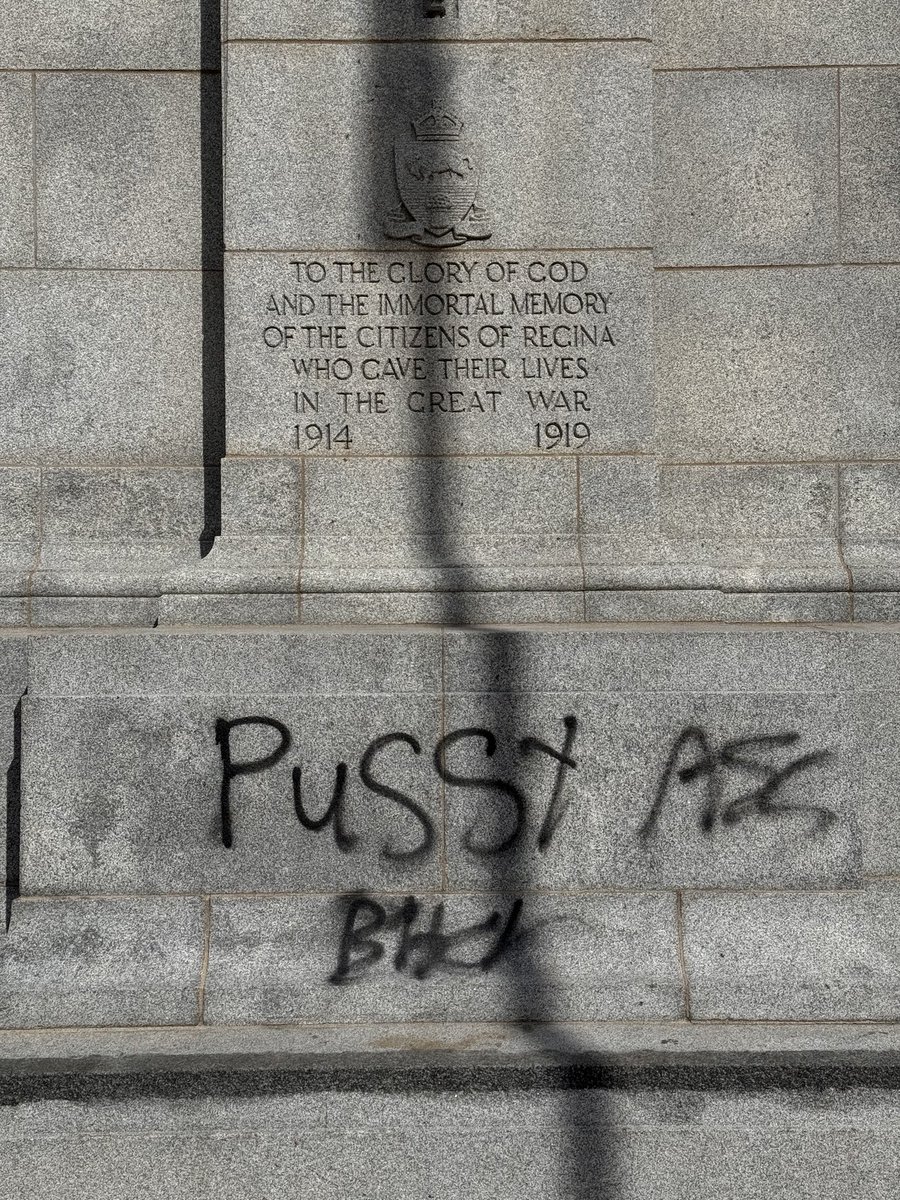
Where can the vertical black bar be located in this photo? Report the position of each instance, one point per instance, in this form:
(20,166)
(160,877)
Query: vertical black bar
(213,261)
(14,816)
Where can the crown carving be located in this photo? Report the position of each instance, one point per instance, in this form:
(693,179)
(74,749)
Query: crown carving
(438,126)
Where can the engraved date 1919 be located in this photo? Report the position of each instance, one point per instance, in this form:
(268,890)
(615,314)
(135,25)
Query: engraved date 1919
(561,435)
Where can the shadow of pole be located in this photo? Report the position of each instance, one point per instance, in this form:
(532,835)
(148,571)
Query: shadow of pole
(415,76)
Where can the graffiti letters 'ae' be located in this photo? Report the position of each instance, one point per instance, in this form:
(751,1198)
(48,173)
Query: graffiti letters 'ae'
(437,179)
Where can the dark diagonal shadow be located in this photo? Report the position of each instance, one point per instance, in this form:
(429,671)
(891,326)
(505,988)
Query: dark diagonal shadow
(416,76)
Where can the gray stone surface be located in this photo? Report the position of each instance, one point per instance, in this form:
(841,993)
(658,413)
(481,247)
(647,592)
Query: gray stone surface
(262,496)
(66,612)
(751,528)
(441,608)
(110,533)
(127,503)
(20,522)
(16,172)
(746,167)
(779,364)
(636,1146)
(584,144)
(819,956)
(672,659)
(458,524)
(707,33)
(123,795)
(495,1044)
(118,170)
(232,665)
(251,608)
(118,381)
(575,957)
(101,962)
(870,511)
(104,34)
(268,19)
(468,363)
(870,162)
(627,819)
(713,604)
(255,564)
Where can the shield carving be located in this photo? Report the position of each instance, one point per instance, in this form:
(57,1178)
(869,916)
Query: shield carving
(437,179)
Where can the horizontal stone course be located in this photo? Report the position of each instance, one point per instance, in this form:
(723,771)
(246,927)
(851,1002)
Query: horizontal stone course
(710,33)
(273,19)
(815,957)
(105,35)
(101,962)
(576,958)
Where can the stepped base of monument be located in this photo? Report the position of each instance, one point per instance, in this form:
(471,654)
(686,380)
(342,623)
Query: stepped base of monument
(148,610)
(489,1112)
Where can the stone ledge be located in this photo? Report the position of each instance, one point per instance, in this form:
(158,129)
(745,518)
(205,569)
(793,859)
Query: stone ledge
(783,1054)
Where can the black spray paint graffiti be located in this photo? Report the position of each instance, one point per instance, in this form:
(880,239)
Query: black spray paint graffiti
(419,952)
(744,759)
(335,815)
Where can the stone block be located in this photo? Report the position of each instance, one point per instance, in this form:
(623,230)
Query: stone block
(119,380)
(653,790)
(251,608)
(714,604)
(583,146)
(870,163)
(577,958)
(262,496)
(456,524)
(239,566)
(750,528)
(149,820)
(106,35)
(13,611)
(67,612)
(20,521)
(127,503)
(806,957)
(416,1141)
(876,606)
(102,962)
(777,364)
(118,170)
(231,665)
(126,795)
(480,354)
(473,19)
(678,661)
(16,171)
(708,33)
(117,532)
(441,608)
(746,167)
(870,511)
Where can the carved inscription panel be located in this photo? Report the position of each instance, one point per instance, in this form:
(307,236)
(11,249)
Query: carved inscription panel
(431,352)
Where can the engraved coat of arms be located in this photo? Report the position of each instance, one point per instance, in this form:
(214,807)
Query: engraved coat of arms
(437,179)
